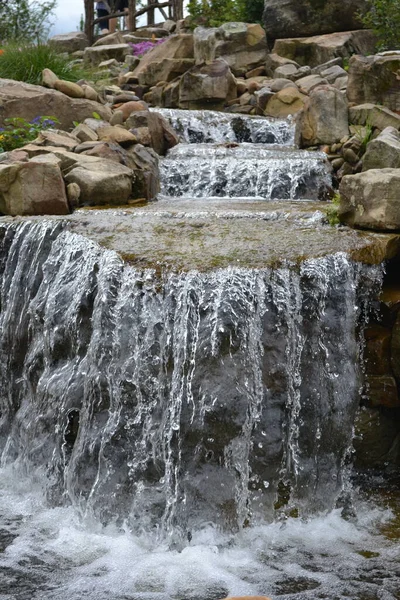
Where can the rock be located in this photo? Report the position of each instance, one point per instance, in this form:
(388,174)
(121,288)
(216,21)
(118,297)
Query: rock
(284,18)
(331,63)
(32,189)
(384,151)
(142,135)
(277,85)
(242,45)
(166,69)
(116,134)
(176,47)
(69,88)
(132,62)
(108,151)
(84,133)
(376,433)
(117,118)
(314,51)
(370,200)
(110,40)
(208,85)
(284,71)
(102,182)
(258,71)
(331,74)
(375,79)
(60,139)
(151,32)
(325,117)
(126,96)
(162,135)
(73,194)
(377,350)
(301,72)
(89,92)
(107,64)
(69,42)
(263,96)
(274,61)
(96,54)
(350,156)
(395,347)
(95,124)
(288,101)
(129,107)
(169,25)
(49,78)
(308,83)
(28,101)
(144,162)
(382,391)
(171,95)
(378,117)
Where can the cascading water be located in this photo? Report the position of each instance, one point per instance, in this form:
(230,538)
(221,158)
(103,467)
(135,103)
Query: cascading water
(160,430)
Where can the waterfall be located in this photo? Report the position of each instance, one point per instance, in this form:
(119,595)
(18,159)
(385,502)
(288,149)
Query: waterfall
(182,399)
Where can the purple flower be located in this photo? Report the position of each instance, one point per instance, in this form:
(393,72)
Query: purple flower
(36,121)
(143,47)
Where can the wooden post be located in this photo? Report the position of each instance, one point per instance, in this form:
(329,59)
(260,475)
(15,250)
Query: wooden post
(89,18)
(151,13)
(132,15)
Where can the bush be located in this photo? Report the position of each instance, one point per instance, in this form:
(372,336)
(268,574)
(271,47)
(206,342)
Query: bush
(17,131)
(212,13)
(26,62)
(383,18)
(27,20)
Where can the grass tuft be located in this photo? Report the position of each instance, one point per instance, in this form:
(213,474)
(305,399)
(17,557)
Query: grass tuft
(25,62)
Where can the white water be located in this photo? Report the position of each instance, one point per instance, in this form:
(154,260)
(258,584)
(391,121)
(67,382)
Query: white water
(55,556)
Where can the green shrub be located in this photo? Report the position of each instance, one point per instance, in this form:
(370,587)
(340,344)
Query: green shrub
(18,131)
(212,13)
(25,62)
(383,18)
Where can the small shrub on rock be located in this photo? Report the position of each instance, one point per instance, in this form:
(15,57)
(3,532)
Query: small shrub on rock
(383,18)
(17,131)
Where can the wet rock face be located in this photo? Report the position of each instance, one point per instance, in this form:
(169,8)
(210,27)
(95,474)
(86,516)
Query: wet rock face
(207,85)
(300,18)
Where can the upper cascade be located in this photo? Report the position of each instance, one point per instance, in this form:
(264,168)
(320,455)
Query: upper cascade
(207,126)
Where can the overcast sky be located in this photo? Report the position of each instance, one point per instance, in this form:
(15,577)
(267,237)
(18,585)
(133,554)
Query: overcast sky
(67,16)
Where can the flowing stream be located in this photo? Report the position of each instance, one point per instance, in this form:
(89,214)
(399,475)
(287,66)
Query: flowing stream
(186,434)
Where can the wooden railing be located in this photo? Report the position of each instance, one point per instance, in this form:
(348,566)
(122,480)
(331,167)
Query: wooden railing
(173,9)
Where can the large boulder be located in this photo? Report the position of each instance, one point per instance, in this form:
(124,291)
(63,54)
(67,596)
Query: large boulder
(69,42)
(30,101)
(176,47)
(101,181)
(166,70)
(375,79)
(242,45)
(378,117)
(314,51)
(384,151)
(32,188)
(288,101)
(325,117)
(161,135)
(285,18)
(207,86)
(370,200)
(94,55)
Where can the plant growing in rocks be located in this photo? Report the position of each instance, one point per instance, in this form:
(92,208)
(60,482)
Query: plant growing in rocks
(27,20)
(383,18)
(25,62)
(143,47)
(17,131)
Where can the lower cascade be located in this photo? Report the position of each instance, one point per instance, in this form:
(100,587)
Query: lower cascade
(187,434)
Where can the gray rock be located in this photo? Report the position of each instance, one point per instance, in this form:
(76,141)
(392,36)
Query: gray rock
(208,85)
(274,61)
(286,18)
(314,51)
(284,71)
(32,188)
(69,42)
(279,84)
(378,117)
(370,200)
(331,74)
(325,117)
(374,79)
(242,45)
(97,54)
(383,151)
(307,84)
